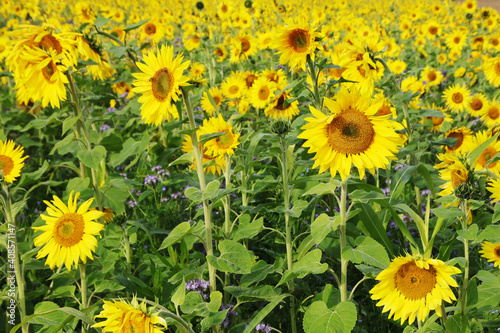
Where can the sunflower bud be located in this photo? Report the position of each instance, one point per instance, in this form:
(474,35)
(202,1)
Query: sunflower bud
(248,4)
(280,126)
(200,5)
(468,16)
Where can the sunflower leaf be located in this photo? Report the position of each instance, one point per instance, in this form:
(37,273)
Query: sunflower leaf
(207,137)
(134,26)
(474,155)
(319,319)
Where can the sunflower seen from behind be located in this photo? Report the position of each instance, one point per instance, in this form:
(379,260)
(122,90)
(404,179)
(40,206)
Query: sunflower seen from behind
(410,288)
(351,134)
(122,316)
(69,233)
(11,160)
(159,83)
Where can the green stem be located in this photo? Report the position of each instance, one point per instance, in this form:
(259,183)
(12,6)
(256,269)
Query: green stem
(119,42)
(227,218)
(12,240)
(314,79)
(288,230)
(466,255)
(207,210)
(343,236)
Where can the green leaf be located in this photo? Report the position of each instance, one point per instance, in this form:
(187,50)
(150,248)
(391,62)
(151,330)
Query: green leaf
(248,230)
(213,319)
(192,301)
(474,155)
(61,145)
(322,226)
(370,220)
(179,232)
(183,159)
(134,26)
(69,122)
(323,188)
(180,294)
(63,291)
(367,251)
(193,194)
(207,137)
(458,323)
(114,198)
(211,190)
(130,148)
(92,158)
(490,233)
(447,213)
(258,273)
(261,315)
(488,290)
(253,294)
(496,214)
(319,319)
(107,285)
(77,185)
(470,233)
(101,21)
(309,264)
(304,247)
(365,197)
(234,258)
(215,301)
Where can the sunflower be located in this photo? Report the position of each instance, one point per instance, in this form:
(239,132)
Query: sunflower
(151,31)
(491,69)
(410,288)
(454,172)
(457,97)
(491,114)
(279,77)
(396,66)
(296,41)
(277,109)
(233,86)
(44,77)
(220,52)
(159,84)
(224,144)
(386,107)
(456,40)
(350,134)
(494,188)
(261,93)
(431,77)
(206,103)
(213,167)
(464,139)
(89,49)
(69,232)
(491,251)
(11,160)
(122,316)
(477,105)
(483,160)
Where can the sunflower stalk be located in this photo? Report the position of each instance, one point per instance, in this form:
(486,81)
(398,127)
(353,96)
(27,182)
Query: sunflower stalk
(207,210)
(288,230)
(12,240)
(227,217)
(343,226)
(83,286)
(465,283)
(314,79)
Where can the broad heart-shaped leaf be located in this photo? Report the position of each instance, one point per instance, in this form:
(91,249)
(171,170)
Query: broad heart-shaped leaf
(470,233)
(367,251)
(322,226)
(92,158)
(323,188)
(490,233)
(488,290)
(248,230)
(253,294)
(212,319)
(180,294)
(458,323)
(234,258)
(130,148)
(320,319)
(309,264)
(193,194)
(259,272)
(179,232)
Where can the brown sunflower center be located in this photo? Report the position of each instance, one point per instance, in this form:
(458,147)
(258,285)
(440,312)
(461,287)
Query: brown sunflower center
(432,76)
(263,93)
(458,177)
(433,30)
(68,230)
(225,141)
(350,132)
(219,52)
(280,105)
(456,40)
(457,97)
(460,139)
(49,70)
(497,67)
(415,282)
(476,104)
(497,252)
(224,8)
(436,121)
(50,42)
(493,113)
(384,110)
(150,29)
(486,155)
(6,164)
(298,39)
(494,41)
(216,100)
(234,90)
(162,84)
(245,45)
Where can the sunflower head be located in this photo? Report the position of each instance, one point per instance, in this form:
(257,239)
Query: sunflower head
(11,160)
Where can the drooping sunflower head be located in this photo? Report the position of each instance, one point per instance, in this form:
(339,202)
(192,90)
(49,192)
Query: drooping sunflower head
(123,316)
(69,233)
(410,288)
(351,134)
(491,251)
(11,160)
(159,83)
(296,41)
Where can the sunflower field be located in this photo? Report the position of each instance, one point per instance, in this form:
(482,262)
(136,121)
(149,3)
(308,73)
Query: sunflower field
(288,166)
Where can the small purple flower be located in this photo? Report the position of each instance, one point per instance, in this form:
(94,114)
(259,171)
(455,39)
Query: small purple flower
(263,328)
(164,199)
(132,203)
(105,127)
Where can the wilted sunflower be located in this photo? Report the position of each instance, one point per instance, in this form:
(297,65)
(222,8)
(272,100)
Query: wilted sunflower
(491,251)
(296,41)
(457,97)
(125,317)
(224,144)
(11,160)
(159,84)
(69,232)
(491,69)
(410,288)
(350,134)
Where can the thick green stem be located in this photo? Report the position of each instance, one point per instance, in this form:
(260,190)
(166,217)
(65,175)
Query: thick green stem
(207,210)
(12,245)
(463,298)
(288,229)
(314,79)
(343,237)
(227,218)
